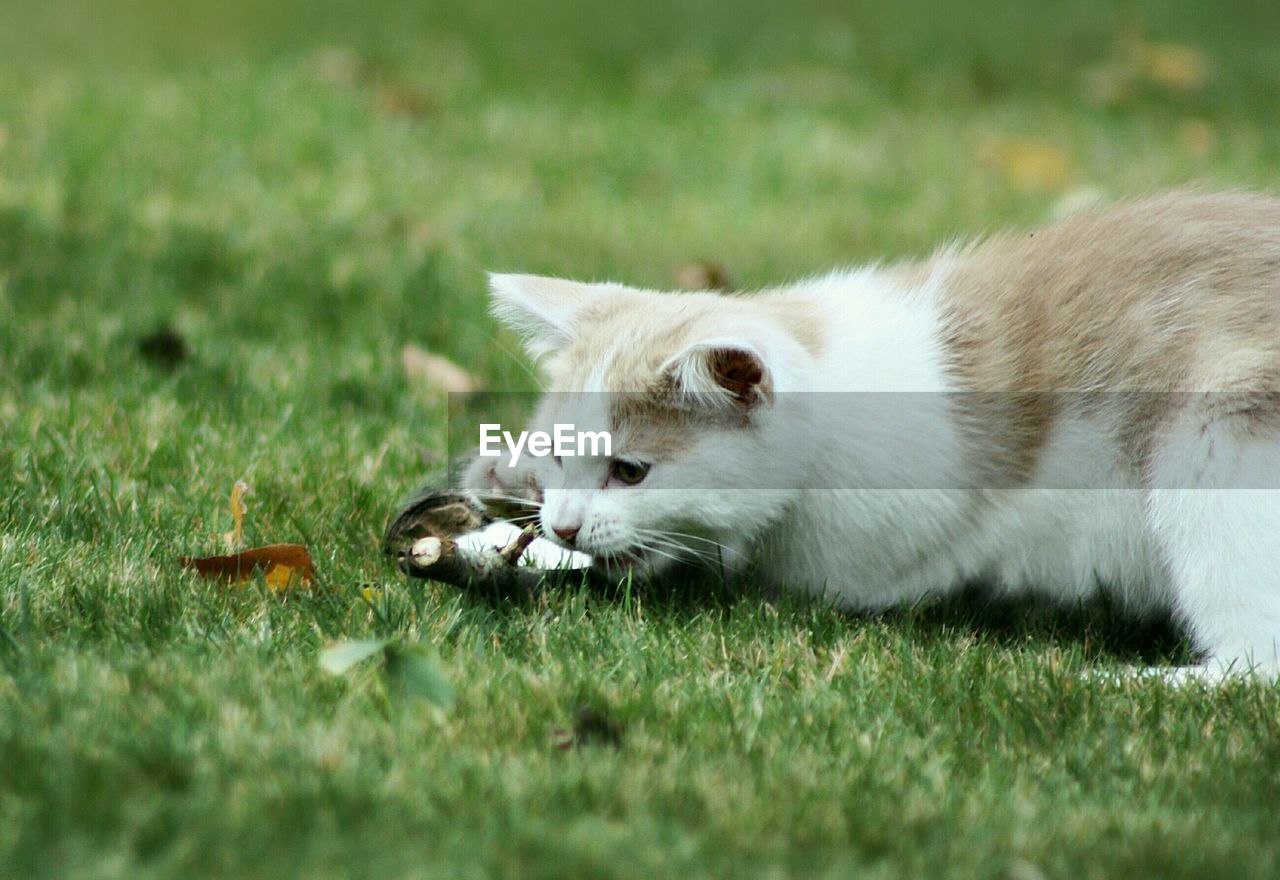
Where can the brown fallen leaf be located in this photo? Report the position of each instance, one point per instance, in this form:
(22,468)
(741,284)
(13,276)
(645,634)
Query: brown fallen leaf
(1135,61)
(1028,164)
(435,372)
(401,99)
(1172,65)
(281,566)
(705,275)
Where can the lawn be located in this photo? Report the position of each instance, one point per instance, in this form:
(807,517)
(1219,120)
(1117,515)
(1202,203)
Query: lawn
(297,193)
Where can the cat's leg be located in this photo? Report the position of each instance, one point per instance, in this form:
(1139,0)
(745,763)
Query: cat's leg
(1214,508)
(513,496)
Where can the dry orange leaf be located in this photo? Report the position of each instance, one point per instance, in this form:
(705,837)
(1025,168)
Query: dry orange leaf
(400,99)
(1172,65)
(436,372)
(1137,61)
(1028,164)
(281,566)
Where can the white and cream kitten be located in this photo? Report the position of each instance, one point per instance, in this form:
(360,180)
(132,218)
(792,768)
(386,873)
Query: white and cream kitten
(1092,406)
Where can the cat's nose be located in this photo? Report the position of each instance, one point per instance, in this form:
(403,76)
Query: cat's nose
(566,533)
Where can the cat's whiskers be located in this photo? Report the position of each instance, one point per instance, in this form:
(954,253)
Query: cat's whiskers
(514,499)
(657,551)
(684,552)
(537,380)
(672,538)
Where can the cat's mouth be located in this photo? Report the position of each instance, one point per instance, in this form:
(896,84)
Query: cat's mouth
(633,559)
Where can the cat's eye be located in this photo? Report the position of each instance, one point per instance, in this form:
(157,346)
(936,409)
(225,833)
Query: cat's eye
(628,472)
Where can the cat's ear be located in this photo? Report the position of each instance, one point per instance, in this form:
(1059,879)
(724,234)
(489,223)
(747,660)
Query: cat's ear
(540,309)
(722,372)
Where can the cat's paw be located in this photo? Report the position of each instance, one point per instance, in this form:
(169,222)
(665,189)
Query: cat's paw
(540,553)
(509,493)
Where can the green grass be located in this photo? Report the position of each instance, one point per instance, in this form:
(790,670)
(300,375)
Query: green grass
(300,198)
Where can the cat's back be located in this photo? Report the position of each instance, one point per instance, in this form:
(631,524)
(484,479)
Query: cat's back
(1177,291)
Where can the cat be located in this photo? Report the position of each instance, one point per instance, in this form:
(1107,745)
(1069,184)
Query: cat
(1090,406)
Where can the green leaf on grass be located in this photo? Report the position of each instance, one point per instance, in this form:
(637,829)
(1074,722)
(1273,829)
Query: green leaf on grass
(341,656)
(414,672)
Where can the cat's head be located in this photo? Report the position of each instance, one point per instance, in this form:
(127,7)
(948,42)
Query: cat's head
(690,389)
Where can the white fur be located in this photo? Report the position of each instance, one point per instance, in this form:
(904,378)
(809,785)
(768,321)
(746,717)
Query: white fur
(540,309)
(541,553)
(1221,539)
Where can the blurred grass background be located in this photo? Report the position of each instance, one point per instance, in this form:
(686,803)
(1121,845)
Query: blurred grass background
(297,191)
